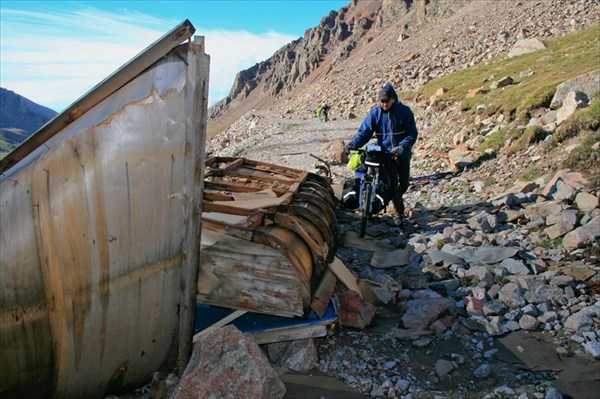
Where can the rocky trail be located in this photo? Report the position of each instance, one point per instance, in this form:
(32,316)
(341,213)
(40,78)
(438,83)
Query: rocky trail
(496,295)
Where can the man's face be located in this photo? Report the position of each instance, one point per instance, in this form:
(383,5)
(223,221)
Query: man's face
(386,105)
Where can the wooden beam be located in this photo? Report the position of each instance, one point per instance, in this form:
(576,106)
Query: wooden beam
(345,275)
(232,165)
(225,320)
(290,334)
(323,293)
(197,109)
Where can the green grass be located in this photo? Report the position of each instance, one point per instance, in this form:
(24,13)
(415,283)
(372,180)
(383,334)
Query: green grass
(497,140)
(591,139)
(450,188)
(551,244)
(565,58)
(490,181)
(584,119)
(291,127)
(530,175)
(531,135)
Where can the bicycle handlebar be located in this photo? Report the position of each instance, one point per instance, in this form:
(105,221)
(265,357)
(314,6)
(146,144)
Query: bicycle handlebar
(391,155)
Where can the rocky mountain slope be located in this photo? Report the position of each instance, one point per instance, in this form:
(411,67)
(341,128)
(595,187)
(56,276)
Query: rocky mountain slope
(19,118)
(356,49)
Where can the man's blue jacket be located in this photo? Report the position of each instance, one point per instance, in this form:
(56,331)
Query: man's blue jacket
(392,129)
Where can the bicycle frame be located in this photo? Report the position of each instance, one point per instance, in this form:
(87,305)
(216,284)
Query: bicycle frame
(372,160)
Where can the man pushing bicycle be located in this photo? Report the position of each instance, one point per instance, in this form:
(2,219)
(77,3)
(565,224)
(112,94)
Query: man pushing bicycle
(393,124)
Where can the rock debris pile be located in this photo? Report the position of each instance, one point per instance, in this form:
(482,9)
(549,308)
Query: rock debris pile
(524,263)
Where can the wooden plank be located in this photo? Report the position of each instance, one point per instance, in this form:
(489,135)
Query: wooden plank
(290,334)
(225,207)
(258,202)
(242,274)
(244,196)
(262,176)
(323,293)
(345,275)
(225,320)
(224,217)
(245,186)
(213,195)
(304,175)
(197,108)
(232,165)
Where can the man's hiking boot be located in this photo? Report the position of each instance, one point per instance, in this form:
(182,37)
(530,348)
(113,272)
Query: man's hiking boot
(398,219)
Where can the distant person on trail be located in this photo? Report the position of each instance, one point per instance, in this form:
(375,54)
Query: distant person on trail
(322,112)
(393,124)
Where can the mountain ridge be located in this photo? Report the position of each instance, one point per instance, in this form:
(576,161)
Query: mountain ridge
(406,43)
(21,113)
(19,118)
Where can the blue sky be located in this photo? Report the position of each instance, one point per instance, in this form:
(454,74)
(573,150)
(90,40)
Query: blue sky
(53,52)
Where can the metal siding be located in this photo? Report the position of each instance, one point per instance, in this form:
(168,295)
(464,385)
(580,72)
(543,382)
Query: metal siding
(93,228)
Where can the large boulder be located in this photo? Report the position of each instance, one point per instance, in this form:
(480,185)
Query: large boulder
(420,313)
(229,364)
(526,46)
(572,102)
(354,311)
(298,355)
(462,157)
(587,83)
(583,235)
(334,152)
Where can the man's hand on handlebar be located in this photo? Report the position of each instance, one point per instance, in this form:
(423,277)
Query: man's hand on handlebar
(398,150)
(350,147)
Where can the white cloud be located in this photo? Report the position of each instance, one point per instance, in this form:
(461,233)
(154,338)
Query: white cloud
(54,58)
(233,51)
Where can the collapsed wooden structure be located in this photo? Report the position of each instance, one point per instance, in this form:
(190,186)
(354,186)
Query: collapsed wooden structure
(268,234)
(115,227)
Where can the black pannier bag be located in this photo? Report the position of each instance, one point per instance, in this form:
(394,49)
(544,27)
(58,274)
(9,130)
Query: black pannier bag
(351,193)
(381,199)
(351,196)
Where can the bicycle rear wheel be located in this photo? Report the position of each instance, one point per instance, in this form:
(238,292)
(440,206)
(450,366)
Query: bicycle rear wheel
(366,207)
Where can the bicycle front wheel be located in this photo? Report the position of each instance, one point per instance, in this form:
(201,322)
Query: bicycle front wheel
(366,207)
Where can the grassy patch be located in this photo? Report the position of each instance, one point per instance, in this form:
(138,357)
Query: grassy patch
(584,123)
(530,175)
(490,181)
(291,127)
(585,119)
(498,140)
(586,159)
(565,58)
(551,244)
(531,135)
(440,243)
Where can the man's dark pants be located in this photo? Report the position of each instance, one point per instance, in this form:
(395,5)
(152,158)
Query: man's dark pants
(399,174)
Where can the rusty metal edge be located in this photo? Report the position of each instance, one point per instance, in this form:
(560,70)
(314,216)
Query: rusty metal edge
(102,90)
